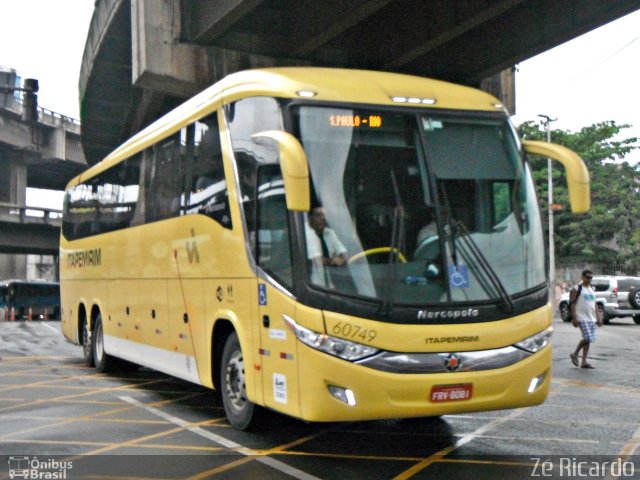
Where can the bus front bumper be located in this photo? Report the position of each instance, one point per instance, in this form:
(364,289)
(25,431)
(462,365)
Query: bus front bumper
(332,389)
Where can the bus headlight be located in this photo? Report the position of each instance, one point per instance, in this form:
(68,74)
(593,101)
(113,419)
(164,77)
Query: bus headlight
(536,342)
(338,347)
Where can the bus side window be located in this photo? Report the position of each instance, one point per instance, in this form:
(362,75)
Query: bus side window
(104,203)
(206,186)
(274,247)
(164,165)
(245,118)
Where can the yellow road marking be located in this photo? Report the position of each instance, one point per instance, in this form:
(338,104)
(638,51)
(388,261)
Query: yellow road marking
(599,386)
(222,468)
(438,456)
(627,451)
(91,418)
(34,357)
(64,397)
(225,442)
(72,420)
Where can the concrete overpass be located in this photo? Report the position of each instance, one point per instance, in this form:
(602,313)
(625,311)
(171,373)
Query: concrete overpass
(44,154)
(143,57)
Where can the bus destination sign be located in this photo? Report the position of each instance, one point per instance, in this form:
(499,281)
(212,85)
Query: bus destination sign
(355,121)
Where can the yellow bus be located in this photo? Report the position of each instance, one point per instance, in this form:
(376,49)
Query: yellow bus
(331,244)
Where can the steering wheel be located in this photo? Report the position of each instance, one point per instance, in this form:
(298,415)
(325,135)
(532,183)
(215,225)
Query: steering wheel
(374,251)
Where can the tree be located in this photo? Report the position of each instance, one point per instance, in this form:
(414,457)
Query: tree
(610,232)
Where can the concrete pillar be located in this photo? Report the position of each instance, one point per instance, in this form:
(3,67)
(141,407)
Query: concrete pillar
(5,188)
(56,143)
(13,266)
(503,86)
(159,61)
(17,184)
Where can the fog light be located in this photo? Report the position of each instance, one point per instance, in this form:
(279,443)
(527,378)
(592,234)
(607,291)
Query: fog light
(343,394)
(536,382)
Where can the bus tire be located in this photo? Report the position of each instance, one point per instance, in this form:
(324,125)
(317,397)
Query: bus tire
(239,409)
(87,346)
(101,360)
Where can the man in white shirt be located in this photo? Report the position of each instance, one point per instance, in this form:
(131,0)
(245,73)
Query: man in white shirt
(324,248)
(585,314)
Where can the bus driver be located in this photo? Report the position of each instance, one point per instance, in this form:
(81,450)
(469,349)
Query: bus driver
(323,247)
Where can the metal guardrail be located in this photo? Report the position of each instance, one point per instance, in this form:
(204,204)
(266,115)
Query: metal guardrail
(57,119)
(48,117)
(12,213)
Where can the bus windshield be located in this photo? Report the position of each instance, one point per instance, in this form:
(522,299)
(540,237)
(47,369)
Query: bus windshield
(419,208)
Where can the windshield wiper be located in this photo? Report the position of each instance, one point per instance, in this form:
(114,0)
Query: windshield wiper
(473,256)
(397,242)
(481,261)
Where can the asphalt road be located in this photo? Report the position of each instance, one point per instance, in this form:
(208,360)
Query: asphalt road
(64,420)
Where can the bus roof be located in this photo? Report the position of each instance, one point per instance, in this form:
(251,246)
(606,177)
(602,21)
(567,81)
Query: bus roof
(326,84)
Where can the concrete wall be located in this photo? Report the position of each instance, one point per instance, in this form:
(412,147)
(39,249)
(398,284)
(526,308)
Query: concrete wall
(28,267)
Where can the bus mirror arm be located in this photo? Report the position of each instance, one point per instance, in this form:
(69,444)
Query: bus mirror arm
(576,171)
(295,170)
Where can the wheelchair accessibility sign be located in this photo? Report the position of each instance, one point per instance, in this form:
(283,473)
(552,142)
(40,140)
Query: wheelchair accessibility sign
(262,294)
(458,276)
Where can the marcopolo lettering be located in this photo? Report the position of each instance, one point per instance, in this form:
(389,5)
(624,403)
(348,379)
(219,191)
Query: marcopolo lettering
(454,314)
(84,258)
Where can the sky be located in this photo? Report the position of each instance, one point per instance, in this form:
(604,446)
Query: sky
(590,79)
(44,39)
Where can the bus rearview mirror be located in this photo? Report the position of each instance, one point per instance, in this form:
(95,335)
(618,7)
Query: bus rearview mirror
(576,171)
(295,170)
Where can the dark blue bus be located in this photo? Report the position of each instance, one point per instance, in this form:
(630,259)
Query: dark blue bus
(29,300)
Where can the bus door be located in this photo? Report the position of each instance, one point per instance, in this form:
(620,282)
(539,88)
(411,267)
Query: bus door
(273,254)
(277,349)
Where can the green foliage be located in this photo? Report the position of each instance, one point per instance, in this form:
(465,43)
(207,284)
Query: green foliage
(610,232)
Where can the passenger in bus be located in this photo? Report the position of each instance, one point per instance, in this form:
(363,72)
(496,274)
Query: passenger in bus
(324,248)
(427,244)
(429,229)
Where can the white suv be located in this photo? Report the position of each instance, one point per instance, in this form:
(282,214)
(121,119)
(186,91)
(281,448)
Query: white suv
(628,298)
(616,296)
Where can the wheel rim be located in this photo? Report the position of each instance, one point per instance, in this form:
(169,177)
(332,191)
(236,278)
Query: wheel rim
(235,381)
(86,342)
(99,343)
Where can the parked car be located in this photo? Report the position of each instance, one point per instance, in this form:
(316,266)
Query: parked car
(603,306)
(629,298)
(617,296)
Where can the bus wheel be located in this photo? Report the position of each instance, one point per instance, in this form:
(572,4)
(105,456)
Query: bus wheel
(87,347)
(239,410)
(101,360)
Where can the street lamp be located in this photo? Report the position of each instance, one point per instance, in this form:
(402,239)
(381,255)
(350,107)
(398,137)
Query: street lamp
(546,122)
